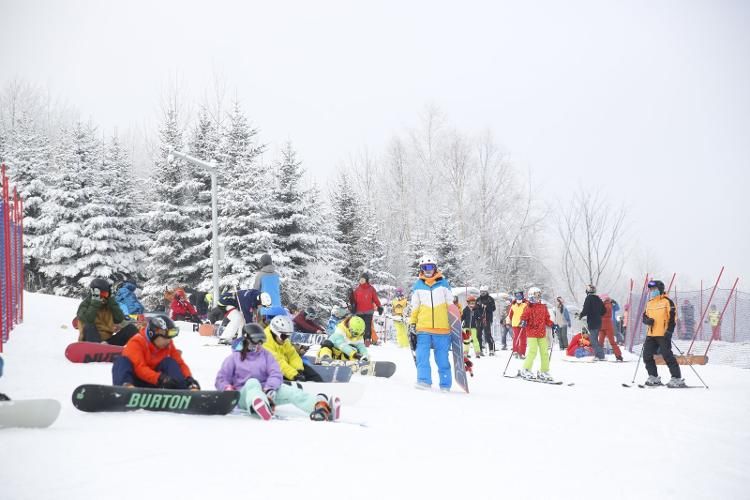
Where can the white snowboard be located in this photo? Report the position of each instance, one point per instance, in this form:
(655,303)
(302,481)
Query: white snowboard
(573,359)
(28,413)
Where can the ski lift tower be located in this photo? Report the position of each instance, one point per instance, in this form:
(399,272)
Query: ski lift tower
(211,167)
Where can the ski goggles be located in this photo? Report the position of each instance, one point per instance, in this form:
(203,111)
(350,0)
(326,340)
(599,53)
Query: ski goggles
(169,333)
(101,293)
(652,284)
(428,267)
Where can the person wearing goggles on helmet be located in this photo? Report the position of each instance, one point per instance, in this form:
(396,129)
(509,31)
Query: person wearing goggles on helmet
(99,316)
(535,320)
(338,314)
(277,342)
(514,316)
(150,359)
(365,302)
(660,318)
(347,342)
(593,310)
(254,372)
(429,324)
(398,308)
(182,309)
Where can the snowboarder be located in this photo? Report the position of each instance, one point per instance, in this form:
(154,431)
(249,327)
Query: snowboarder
(514,316)
(485,309)
(338,314)
(593,310)
(150,359)
(580,345)
(307,321)
(608,328)
(365,300)
(660,317)
(469,321)
(534,320)
(98,314)
(289,360)
(182,309)
(267,280)
(126,299)
(347,342)
(254,372)
(429,322)
(233,320)
(562,320)
(398,309)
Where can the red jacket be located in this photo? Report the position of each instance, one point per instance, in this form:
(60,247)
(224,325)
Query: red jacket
(537,319)
(576,342)
(145,357)
(607,325)
(305,325)
(365,299)
(182,307)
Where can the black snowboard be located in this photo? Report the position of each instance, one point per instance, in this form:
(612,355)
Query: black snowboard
(95,398)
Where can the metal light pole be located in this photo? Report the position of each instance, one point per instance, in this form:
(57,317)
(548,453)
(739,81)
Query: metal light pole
(211,167)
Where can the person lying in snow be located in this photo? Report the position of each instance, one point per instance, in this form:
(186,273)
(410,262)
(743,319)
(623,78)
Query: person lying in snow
(580,345)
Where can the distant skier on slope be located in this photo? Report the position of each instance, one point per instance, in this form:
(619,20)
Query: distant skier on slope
(534,320)
(485,310)
(660,317)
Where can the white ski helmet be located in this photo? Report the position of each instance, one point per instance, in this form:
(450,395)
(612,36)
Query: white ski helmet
(427,259)
(265,299)
(281,325)
(484,288)
(535,294)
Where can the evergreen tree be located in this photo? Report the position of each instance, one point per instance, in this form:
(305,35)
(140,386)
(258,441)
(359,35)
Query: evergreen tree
(347,214)
(450,250)
(373,249)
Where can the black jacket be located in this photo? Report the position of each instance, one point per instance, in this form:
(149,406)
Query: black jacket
(593,310)
(469,318)
(485,307)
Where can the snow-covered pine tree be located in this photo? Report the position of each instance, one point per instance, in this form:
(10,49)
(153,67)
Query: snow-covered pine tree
(77,159)
(450,250)
(243,188)
(347,214)
(29,167)
(373,250)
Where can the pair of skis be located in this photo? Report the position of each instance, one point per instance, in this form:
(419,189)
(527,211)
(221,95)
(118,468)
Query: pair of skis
(538,380)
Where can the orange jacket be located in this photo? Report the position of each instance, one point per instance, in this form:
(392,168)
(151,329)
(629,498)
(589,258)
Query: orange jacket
(145,357)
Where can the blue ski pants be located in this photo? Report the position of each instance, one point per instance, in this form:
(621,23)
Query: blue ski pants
(441,344)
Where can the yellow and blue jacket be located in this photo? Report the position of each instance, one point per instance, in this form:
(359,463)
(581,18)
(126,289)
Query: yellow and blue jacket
(430,299)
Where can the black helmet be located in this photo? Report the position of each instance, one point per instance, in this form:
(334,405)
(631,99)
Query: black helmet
(656,284)
(226,300)
(161,326)
(254,333)
(100,284)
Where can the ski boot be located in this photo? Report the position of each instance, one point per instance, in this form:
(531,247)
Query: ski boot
(261,408)
(492,353)
(504,348)
(619,358)
(525,374)
(422,386)
(322,409)
(445,389)
(653,381)
(676,383)
(544,377)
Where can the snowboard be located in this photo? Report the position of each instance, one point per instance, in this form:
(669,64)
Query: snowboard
(98,398)
(457,347)
(333,373)
(307,338)
(573,359)
(375,368)
(92,352)
(28,413)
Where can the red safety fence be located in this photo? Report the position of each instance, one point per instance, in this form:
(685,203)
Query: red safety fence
(11,259)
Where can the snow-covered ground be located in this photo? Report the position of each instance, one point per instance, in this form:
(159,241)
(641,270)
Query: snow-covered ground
(507,439)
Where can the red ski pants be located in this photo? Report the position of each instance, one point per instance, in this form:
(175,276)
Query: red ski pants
(519,340)
(609,335)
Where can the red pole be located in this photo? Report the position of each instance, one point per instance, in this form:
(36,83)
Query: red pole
(671,282)
(6,245)
(20,256)
(722,313)
(703,315)
(628,307)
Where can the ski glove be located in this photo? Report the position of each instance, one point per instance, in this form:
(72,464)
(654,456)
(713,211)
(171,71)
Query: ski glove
(523,324)
(192,383)
(647,321)
(380,310)
(300,377)
(166,382)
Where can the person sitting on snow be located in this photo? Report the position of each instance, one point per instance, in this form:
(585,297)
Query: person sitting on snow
(346,343)
(182,309)
(150,359)
(254,372)
(580,345)
(278,344)
(307,321)
(126,299)
(99,315)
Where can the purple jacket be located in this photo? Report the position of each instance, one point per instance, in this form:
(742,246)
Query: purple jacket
(259,365)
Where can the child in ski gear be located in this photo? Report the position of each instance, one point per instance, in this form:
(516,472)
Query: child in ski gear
(514,316)
(608,328)
(580,345)
(365,300)
(278,344)
(338,314)
(534,320)
(593,310)
(485,309)
(660,317)
(398,308)
(254,372)
(182,309)
(562,321)
(98,314)
(430,297)
(267,280)
(347,342)
(307,321)
(714,319)
(233,319)
(150,359)
(469,320)
(126,299)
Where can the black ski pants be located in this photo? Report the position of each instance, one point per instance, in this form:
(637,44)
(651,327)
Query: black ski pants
(91,334)
(664,346)
(484,334)
(367,317)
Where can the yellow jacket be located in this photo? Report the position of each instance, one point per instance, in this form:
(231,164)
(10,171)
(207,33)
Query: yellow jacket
(285,354)
(398,306)
(429,304)
(515,312)
(713,317)
(660,309)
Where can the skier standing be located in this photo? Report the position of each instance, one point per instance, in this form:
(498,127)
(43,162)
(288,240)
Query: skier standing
(505,323)
(593,310)
(429,322)
(485,307)
(608,329)
(98,314)
(519,333)
(365,300)
(254,372)
(562,320)
(398,308)
(660,317)
(534,320)
(469,322)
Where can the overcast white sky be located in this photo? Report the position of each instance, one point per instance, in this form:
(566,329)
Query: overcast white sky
(647,102)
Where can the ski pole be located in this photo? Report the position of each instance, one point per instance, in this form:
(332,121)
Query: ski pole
(690,365)
(637,365)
